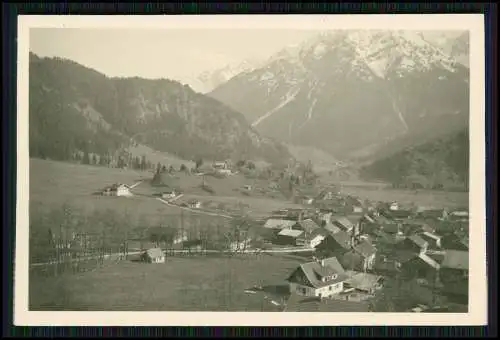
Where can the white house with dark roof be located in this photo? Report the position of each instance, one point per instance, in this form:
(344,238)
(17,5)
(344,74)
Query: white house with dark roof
(117,190)
(321,278)
(154,255)
(312,239)
(288,236)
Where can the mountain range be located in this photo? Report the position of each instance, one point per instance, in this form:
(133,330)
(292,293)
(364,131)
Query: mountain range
(357,94)
(73,108)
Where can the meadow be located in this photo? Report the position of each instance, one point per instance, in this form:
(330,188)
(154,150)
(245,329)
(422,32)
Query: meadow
(199,283)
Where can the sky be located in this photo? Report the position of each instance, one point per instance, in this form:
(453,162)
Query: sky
(179,54)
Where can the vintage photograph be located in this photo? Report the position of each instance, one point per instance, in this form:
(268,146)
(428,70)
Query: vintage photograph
(249,170)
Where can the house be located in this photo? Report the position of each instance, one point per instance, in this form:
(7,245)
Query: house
(220,165)
(459,215)
(180,236)
(299,303)
(307,200)
(169,194)
(455,242)
(307,225)
(438,214)
(454,274)
(153,255)
(415,244)
(194,204)
(363,282)
(325,216)
(331,228)
(455,265)
(432,239)
(399,214)
(393,228)
(387,266)
(421,266)
(354,204)
(239,244)
(274,223)
(416,227)
(368,225)
(117,190)
(311,239)
(393,206)
(343,223)
(336,244)
(225,172)
(288,236)
(248,187)
(320,278)
(361,257)
(386,239)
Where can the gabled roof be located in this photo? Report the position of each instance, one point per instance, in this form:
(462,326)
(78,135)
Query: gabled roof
(274,223)
(343,222)
(365,249)
(363,281)
(290,232)
(418,241)
(455,259)
(431,235)
(368,218)
(308,225)
(428,260)
(391,228)
(331,228)
(343,239)
(314,271)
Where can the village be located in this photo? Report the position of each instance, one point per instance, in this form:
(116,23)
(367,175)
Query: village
(351,248)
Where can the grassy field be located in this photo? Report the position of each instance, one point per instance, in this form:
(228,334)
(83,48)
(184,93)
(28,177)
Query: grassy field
(188,284)
(228,191)
(54,183)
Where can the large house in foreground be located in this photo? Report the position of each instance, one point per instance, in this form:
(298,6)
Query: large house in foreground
(320,278)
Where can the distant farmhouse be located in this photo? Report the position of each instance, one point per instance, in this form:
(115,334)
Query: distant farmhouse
(170,194)
(153,255)
(117,190)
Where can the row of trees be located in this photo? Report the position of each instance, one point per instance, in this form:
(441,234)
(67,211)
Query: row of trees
(111,230)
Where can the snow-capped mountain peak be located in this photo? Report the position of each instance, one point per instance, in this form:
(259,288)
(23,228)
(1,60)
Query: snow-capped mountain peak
(325,90)
(213,78)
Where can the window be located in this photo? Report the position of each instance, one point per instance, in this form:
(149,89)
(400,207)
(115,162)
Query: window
(304,291)
(330,288)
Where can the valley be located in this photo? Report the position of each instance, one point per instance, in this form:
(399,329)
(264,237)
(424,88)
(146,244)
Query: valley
(332,173)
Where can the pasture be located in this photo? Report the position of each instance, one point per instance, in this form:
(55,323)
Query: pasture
(203,283)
